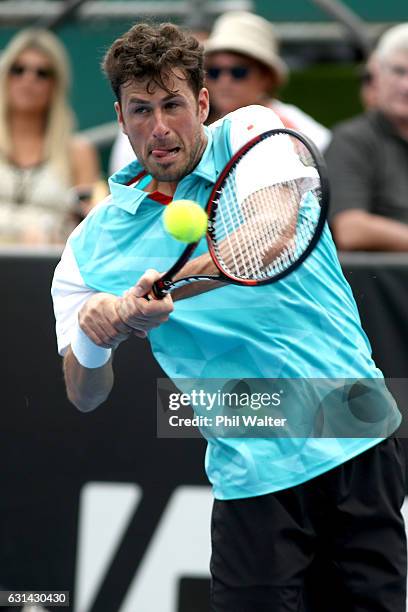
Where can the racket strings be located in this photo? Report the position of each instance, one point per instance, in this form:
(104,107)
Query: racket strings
(264,232)
(258,236)
(260,232)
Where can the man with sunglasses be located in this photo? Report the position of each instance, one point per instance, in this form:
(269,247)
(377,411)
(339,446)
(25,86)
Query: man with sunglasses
(243,68)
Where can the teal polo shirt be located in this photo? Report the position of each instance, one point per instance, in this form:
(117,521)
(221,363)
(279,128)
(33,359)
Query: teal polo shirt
(304,326)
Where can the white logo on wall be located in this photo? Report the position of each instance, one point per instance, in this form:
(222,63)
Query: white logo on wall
(179,547)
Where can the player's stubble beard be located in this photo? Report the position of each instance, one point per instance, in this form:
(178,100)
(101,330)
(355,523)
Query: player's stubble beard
(167,174)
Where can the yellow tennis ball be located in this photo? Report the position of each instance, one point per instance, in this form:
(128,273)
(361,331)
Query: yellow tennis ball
(185,220)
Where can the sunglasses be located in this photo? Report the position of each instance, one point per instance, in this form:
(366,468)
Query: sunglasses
(238,73)
(44,74)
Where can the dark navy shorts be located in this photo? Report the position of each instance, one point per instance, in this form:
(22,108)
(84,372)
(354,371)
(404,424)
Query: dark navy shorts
(336,542)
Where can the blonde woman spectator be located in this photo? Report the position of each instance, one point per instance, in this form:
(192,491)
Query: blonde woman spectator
(41,161)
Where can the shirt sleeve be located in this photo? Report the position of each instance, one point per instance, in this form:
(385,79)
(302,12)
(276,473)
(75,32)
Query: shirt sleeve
(250,121)
(351,171)
(273,161)
(69,293)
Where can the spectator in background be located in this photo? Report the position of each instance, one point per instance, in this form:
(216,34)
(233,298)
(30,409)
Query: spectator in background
(40,158)
(243,67)
(368,159)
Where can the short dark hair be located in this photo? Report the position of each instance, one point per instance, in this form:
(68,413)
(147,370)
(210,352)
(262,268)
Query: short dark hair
(153,52)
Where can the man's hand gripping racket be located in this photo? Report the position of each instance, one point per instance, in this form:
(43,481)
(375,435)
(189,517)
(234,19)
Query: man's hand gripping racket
(265,214)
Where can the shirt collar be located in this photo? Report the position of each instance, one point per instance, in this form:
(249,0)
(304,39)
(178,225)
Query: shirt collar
(129,197)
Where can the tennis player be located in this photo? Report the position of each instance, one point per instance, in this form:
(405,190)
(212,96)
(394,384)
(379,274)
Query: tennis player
(275,498)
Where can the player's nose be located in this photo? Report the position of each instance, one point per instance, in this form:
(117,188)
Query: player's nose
(160,127)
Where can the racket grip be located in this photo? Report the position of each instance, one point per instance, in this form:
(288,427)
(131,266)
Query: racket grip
(159,290)
(156,293)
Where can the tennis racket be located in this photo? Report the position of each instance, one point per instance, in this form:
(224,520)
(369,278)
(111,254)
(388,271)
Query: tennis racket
(266,213)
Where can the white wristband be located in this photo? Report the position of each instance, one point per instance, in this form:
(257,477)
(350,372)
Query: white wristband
(89,354)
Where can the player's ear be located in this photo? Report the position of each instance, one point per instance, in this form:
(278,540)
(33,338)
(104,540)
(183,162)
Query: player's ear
(203,105)
(119,116)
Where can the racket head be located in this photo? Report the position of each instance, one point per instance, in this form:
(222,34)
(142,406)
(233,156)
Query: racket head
(266,216)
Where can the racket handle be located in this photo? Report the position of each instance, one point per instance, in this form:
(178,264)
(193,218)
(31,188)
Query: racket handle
(159,290)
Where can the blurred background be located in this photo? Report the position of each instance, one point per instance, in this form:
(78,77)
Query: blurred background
(322,42)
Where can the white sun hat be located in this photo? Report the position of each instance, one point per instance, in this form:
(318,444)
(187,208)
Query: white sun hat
(247,34)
